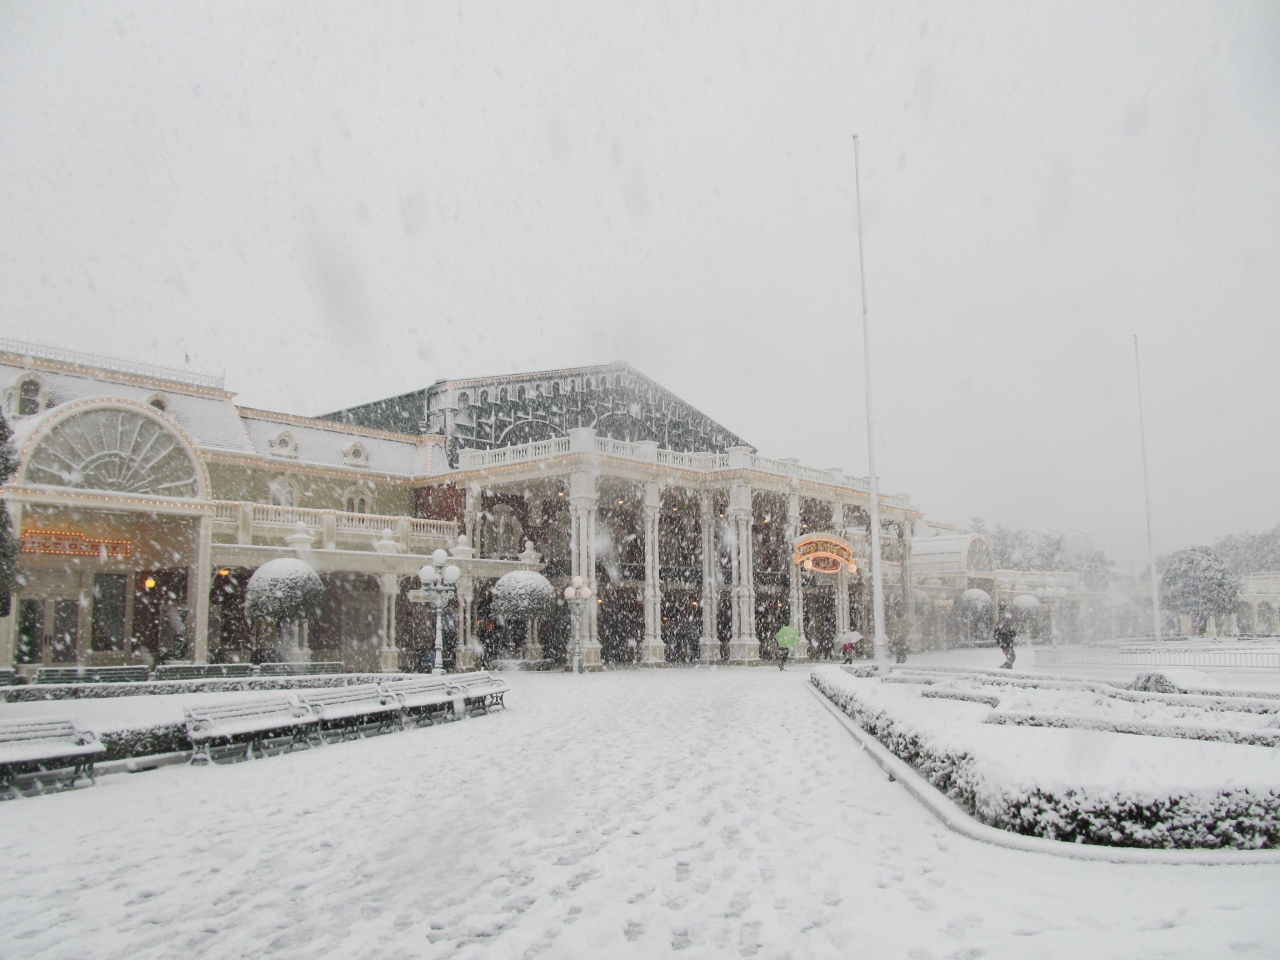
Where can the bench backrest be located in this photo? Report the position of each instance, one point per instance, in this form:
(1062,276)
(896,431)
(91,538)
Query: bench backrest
(481,679)
(299,669)
(173,671)
(8,678)
(349,694)
(231,710)
(229,670)
(53,728)
(418,685)
(91,674)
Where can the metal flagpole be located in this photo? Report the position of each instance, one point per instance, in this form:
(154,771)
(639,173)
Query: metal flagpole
(873,534)
(1146,491)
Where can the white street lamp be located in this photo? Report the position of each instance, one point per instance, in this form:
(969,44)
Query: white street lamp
(438,587)
(578,594)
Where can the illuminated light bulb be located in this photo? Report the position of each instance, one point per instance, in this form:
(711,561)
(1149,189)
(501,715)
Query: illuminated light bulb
(149,583)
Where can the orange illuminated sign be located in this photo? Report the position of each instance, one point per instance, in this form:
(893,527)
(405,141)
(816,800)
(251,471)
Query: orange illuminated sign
(825,553)
(69,544)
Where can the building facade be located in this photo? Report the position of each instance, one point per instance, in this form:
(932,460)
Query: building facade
(145,498)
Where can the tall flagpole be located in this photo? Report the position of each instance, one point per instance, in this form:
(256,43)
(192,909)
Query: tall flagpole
(873,534)
(1146,491)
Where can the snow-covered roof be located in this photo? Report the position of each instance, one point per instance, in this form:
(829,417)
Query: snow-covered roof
(330,444)
(209,418)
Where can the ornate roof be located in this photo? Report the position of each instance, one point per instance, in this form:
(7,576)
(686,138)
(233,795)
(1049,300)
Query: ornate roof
(484,413)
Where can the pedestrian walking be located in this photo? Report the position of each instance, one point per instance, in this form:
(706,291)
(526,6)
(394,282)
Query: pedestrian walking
(851,640)
(786,638)
(1006,636)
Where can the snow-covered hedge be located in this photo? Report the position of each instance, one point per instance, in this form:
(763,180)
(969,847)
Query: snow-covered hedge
(1072,785)
(523,595)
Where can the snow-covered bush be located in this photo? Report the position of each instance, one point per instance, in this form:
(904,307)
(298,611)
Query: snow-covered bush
(523,595)
(285,591)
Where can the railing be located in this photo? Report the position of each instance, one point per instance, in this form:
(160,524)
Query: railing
(1093,656)
(366,525)
(698,462)
(44,352)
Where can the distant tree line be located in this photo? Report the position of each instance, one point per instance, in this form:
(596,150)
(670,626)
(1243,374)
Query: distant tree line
(1025,550)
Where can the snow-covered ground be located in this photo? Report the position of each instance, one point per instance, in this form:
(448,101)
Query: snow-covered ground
(722,813)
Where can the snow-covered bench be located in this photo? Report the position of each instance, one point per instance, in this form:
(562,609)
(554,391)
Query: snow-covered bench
(44,750)
(354,710)
(243,726)
(201,671)
(301,669)
(481,691)
(424,699)
(8,678)
(136,674)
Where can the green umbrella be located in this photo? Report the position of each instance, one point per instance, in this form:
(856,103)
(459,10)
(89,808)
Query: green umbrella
(787,636)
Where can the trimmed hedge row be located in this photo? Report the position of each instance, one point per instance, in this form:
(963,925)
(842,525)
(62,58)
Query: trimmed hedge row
(1242,819)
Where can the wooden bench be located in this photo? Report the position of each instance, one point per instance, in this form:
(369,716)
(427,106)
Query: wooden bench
(43,751)
(299,669)
(353,711)
(424,699)
(8,678)
(236,729)
(136,674)
(481,691)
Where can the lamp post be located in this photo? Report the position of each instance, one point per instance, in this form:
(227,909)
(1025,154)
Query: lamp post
(578,594)
(439,585)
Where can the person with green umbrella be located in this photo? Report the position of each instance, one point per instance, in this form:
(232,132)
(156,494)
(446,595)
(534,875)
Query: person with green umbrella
(786,638)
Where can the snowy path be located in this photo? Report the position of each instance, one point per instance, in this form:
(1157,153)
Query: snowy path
(722,813)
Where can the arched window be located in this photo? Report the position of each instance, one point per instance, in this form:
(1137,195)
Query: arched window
(484,396)
(463,399)
(520,394)
(502,395)
(537,390)
(284,492)
(555,389)
(358,501)
(30,396)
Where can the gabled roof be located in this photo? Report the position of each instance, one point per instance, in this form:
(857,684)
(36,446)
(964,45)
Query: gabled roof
(615,399)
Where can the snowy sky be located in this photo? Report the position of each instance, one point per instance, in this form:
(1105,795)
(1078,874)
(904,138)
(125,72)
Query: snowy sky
(337,202)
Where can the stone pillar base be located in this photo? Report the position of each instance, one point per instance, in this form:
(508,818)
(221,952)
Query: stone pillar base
(653,654)
(390,660)
(533,651)
(590,656)
(709,650)
(801,653)
(744,650)
(466,658)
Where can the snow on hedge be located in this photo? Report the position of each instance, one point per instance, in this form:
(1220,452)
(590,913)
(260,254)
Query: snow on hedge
(1078,785)
(523,595)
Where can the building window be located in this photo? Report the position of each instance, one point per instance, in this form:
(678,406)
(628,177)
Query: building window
(357,500)
(484,396)
(520,394)
(463,399)
(555,389)
(30,396)
(357,455)
(284,492)
(502,395)
(158,401)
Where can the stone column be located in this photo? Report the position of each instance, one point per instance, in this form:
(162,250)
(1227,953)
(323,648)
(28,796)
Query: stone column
(795,595)
(467,655)
(743,647)
(653,653)
(199,582)
(584,503)
(84,615)
(709,644)
(470,511)
(389,654)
